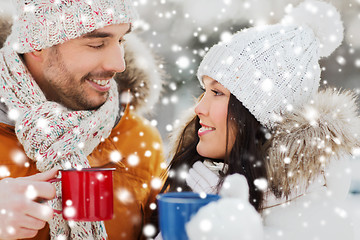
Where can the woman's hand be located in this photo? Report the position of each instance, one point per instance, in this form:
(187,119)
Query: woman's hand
(202,179)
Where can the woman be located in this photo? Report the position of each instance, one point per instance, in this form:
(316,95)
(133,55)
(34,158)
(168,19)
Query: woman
(262,116)
(225,134)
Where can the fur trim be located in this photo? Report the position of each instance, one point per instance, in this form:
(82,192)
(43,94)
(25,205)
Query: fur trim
(5,29)
(142,76)
(306,140)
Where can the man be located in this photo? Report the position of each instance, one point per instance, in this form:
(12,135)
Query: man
(60,107)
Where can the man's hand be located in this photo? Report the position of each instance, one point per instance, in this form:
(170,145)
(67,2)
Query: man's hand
(20,215)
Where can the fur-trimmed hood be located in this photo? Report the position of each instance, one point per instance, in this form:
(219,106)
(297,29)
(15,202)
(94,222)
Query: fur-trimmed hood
(142,77)
(308,138)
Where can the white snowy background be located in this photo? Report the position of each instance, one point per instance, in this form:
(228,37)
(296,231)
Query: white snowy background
(181,31)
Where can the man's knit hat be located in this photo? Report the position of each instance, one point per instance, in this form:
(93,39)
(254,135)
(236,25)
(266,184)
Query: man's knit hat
(274,68)
(41,24)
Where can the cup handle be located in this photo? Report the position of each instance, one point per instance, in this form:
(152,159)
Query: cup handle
(52,181)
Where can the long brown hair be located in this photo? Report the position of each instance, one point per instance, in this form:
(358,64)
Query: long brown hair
(247,155)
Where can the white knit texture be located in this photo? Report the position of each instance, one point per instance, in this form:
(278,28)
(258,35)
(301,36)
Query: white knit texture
(41,24)
(269,69)
(263,69)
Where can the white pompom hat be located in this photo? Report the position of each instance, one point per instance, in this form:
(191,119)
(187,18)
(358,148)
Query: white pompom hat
(272,69)
(41,24)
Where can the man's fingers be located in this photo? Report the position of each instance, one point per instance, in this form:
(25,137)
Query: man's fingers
(14,226)
(25,233)
(31,189)
(44,176)
(32,223)
(40,211)
(34,190)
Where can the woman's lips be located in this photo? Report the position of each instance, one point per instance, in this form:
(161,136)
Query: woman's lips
(204,130)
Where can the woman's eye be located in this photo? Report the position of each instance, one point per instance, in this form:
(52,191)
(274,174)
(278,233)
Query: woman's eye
(217,93)
(121,41)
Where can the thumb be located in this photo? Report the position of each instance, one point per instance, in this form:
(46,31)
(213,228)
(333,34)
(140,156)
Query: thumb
(44,176)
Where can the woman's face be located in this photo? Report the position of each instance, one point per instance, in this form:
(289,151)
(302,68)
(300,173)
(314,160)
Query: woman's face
(212,111)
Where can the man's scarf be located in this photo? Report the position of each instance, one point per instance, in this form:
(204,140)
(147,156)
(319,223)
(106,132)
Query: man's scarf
(53,135)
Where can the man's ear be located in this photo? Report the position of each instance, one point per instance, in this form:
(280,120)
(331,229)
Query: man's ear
(37,55)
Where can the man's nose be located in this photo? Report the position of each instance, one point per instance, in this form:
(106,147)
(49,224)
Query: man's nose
(114,59)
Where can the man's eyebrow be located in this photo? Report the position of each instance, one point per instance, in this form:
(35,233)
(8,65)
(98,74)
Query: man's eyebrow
(99,34)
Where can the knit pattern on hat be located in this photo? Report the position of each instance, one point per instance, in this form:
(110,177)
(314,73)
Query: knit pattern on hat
(41,24)
(268,69)
(273,69)
(53,135)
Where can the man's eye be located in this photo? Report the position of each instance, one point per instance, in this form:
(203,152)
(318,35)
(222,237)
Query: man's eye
(96,46)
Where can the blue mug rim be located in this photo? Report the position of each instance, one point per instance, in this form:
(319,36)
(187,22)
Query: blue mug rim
(186,197)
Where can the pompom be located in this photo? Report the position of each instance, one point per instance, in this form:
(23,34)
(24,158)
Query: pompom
(323,19)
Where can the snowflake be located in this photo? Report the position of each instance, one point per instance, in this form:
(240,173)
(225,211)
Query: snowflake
(226,37)
(267,85)
(115,156)
(156,183)
(31,192)
(261,183)
(153,206)
(148,153)
(18,157)
(4,172)
(61,237)
(133,160)
(149,230)
(124,196)
(183,62)
(13,114)
(173,86)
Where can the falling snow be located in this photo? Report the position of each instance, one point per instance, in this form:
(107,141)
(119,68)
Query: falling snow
(182,32)
(31,192)
(156,183)
(115,156)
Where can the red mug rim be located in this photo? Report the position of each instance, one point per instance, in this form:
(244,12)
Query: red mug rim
(87,169)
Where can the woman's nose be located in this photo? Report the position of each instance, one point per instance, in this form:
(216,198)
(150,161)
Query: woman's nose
(201,108)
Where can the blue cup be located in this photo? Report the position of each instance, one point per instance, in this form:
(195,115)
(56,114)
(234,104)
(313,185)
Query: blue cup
(176,209)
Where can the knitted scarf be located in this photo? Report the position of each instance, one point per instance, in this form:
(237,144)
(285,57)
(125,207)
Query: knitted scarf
(53,135)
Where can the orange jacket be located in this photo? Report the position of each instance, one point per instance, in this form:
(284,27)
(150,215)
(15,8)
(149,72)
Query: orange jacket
(133,135)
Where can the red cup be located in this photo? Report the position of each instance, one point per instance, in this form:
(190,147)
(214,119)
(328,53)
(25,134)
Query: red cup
(87,194)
